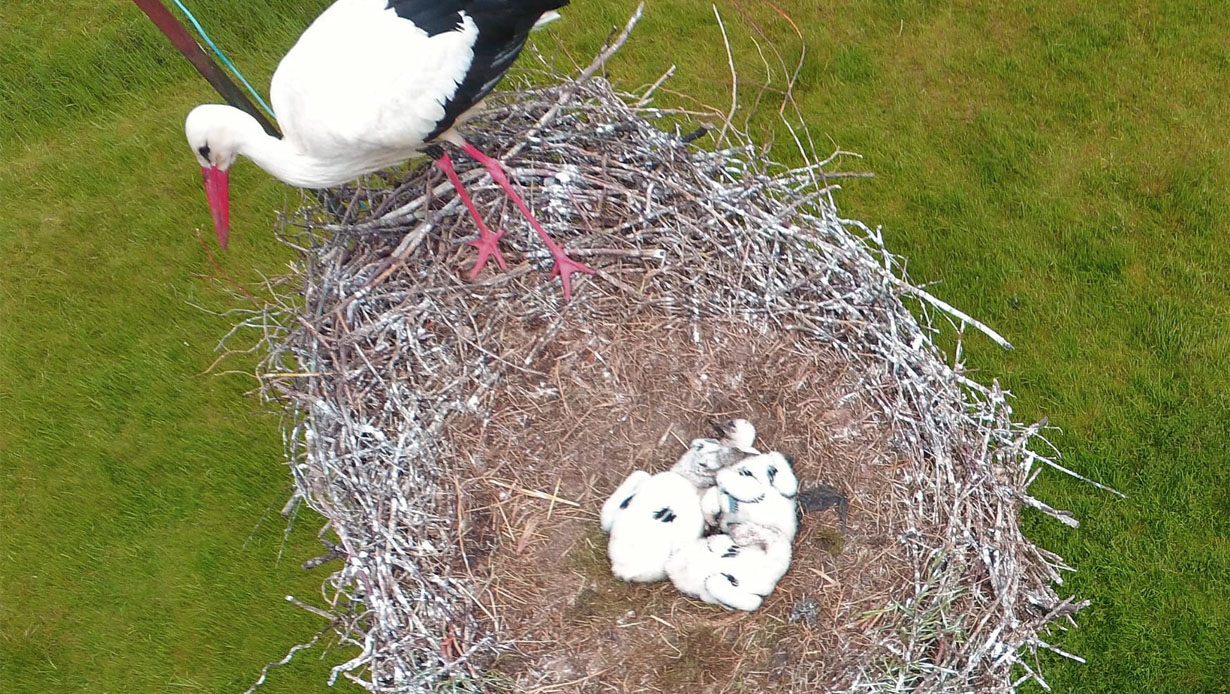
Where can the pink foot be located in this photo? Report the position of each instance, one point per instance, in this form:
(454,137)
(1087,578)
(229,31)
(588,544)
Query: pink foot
(487,244)
(564,267)
(488,241)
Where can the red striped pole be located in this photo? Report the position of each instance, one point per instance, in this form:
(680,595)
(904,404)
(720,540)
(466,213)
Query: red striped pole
(174,30)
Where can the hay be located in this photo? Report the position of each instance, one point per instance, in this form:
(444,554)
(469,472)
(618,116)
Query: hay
(459,436)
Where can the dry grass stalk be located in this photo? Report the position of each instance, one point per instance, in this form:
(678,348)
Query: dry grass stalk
(458,437)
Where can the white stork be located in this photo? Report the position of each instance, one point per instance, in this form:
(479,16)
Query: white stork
(370,84)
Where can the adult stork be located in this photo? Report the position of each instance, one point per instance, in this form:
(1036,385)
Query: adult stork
(370,84)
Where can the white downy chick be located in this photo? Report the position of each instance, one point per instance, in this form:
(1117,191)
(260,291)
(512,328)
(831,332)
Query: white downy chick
(721,571)
(705,457)
(648,519)
(759,490)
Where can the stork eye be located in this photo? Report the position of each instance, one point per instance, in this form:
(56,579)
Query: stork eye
(204,150)
(772,474)
(746,473)
(626,502)
(733,581)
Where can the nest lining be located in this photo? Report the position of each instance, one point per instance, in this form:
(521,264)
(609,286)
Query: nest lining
(610,398)
(417,398)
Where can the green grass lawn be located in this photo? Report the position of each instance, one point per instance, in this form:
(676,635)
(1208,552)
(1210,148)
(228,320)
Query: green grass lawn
(1060,167)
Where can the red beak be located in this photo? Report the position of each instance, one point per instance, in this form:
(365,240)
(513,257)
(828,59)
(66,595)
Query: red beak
(217,191)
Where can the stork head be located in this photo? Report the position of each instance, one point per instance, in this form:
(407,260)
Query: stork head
(736,433)
(215,133)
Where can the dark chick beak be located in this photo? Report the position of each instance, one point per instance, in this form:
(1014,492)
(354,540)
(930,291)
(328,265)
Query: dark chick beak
(217,191)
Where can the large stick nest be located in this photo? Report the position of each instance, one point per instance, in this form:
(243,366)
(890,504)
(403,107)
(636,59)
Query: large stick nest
(459,436)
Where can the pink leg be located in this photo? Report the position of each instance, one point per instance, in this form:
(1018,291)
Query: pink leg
(488,242)
(564,266)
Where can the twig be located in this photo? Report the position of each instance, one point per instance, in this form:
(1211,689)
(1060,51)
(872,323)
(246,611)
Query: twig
(734,80)
(536,494)
(654,87)
(581,79)
(286,659)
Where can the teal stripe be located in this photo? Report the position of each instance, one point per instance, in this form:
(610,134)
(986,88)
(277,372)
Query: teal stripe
(225,61)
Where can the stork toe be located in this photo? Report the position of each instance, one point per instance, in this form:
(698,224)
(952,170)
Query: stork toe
(565,267)
(488,247)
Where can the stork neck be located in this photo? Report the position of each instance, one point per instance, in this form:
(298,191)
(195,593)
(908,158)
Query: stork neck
(286,163)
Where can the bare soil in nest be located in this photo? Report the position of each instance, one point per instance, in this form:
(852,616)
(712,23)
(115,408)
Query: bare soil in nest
(603,400)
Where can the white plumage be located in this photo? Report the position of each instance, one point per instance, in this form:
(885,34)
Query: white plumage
(705,457)
(753,504)
(649,517)
(656,522)
(737,433)
(334,100)
(760,491)
(735,574)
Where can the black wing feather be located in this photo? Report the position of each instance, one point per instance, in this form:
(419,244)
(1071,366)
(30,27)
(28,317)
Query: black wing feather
(503,28)
(432,16)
